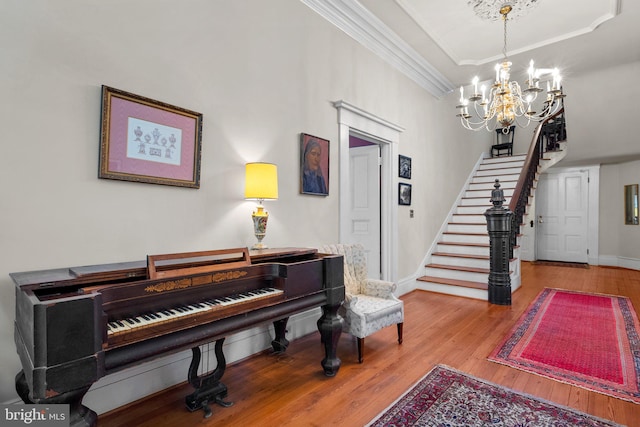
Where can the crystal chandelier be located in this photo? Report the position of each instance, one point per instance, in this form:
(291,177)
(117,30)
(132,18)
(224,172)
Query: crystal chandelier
(506,102)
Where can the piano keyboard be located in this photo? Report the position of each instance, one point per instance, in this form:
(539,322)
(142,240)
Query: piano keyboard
(148,319)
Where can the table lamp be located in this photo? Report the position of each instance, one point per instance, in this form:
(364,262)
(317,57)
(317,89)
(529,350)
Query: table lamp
(261,183)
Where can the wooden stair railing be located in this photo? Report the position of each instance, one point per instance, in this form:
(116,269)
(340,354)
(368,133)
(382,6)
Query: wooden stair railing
(519,200)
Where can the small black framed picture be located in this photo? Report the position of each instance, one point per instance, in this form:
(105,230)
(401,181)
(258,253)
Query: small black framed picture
(404,167)
(404,194)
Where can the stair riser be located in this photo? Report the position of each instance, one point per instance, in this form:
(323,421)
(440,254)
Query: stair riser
(481,201)
(460,262)
(489,185)
(508,192)
(478,210)
(457,275)
(467,228)
(454,290)
(469,218)
(505,165)
(491,178)
(463,238)
(517,157)
(493,172)
(465,250)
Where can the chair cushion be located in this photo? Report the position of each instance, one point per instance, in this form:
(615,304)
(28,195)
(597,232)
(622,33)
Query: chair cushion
(372,308)
(367,314)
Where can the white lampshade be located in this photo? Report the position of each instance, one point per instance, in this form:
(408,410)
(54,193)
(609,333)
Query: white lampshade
(261,181)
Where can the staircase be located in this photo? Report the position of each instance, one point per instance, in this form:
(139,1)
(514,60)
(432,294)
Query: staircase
(459,265)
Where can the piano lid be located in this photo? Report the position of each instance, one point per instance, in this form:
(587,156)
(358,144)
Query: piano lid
(126,271)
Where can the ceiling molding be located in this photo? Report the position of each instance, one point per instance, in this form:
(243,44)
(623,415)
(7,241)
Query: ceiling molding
(469,39)
(364,27)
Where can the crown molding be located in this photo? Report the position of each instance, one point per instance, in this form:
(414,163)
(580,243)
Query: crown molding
(364,27)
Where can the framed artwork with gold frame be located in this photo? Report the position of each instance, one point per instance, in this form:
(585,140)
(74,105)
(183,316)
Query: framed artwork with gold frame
(144,140)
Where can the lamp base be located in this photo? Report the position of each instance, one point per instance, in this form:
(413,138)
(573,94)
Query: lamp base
(260,217)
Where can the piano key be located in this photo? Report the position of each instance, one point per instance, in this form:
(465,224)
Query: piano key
(169,314)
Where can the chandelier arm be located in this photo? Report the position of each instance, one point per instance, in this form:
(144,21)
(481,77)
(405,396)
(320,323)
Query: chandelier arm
(470,125)
(528,121)
(481,113)
(478,123)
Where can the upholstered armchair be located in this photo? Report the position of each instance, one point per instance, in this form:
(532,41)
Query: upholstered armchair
(369,303)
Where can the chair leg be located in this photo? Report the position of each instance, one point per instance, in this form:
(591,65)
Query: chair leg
(400,333)
(360,349)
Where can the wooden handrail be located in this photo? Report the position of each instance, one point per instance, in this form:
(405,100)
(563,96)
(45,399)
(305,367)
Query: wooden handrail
(533,149)
(526,180)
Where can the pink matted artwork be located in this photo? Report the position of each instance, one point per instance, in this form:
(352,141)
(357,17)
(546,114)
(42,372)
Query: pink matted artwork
(149,141)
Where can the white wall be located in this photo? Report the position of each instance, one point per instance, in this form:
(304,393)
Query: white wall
(600,114)
(619,242)
(260,72)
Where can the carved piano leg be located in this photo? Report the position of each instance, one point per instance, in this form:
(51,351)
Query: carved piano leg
(330,327)
(208,387)
(79,415)
(280,343)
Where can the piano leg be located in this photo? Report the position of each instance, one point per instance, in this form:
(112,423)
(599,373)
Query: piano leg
(79,415)
(208,387)
(280,343)
(330,327)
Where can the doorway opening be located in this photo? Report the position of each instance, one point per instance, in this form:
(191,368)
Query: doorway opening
(386,135)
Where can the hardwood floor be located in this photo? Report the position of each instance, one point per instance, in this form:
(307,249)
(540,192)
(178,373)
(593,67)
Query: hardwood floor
(290,389)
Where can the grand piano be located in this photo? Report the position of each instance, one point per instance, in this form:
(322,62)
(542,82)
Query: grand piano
(75,325)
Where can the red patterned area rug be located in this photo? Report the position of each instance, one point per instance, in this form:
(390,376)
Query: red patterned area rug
(587,340)
(446,397)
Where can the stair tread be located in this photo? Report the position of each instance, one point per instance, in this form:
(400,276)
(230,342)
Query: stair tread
(502,187)
(508,180)
(497,174)
(460,233)
(459,268)
(482,245)
(482,198)
(499,169)
(468,256)
(454,282)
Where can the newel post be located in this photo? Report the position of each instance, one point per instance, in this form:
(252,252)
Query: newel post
(499,228)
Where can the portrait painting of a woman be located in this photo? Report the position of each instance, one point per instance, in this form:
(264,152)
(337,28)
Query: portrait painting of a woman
(314,165)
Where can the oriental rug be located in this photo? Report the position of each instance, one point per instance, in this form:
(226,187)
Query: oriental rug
(582,339)
(447,397)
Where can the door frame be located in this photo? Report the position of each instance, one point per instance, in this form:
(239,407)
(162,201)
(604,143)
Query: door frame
(353,120)
(593,208)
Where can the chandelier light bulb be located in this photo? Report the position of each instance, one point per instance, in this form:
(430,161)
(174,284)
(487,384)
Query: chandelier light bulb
(531,74)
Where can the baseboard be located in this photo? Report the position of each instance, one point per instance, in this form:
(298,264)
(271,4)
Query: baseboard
(454,290)
(618,261)
(406,285)
(135,383)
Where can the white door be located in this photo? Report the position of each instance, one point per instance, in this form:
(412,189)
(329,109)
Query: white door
(562,216)
(364,217)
